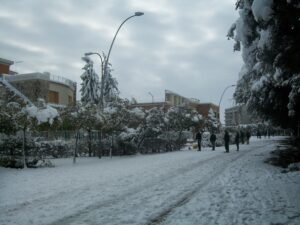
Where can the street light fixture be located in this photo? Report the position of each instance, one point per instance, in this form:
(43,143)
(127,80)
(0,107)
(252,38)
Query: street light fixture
(93,53)
(102,67)
(151,96)
(96,53)
(138,13)
(233,85)
(111,45)
(17,62)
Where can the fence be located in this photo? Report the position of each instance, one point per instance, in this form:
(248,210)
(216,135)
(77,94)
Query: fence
(57,144)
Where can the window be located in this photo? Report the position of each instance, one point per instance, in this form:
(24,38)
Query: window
(53,97)
(70,100)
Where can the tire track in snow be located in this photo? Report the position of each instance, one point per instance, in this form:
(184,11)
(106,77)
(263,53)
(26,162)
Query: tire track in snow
(54,200)
(134,194)
(134,191)
(161,217)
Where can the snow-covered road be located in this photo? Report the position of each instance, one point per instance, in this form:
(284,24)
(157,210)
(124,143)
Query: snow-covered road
(186,187)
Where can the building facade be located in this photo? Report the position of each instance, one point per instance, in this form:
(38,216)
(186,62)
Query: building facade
(150,105)
(174,99)
(239,115)
(55,90)
(5,66)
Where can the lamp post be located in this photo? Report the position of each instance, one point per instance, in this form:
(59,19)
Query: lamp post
(111,45)
(104,63)
(96,53)
(151,96)
(102,81)
(17,62)
(233,85)
(102,73)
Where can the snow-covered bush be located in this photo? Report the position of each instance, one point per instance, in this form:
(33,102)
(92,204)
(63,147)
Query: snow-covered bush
(44,163)
(205,139)
(55,149)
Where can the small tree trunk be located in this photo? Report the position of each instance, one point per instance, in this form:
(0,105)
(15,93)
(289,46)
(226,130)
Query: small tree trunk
(140,143)
(111,145)
(75,150)
(100,145)
(179,140)
(90,143)
(11,151)
(23,148)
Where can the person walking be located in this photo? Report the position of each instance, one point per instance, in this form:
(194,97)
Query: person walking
(226,139)
(237,140)
(213,139)
(258,134)
(248,135)
(242,136)
(199,139)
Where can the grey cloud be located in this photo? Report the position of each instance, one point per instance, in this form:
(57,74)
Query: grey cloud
(176,45)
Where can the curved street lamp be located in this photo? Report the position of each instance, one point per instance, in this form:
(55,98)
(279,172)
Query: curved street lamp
(15,64)
(95,53)
(111,45)
(151,96)
(233,85)
(102,69)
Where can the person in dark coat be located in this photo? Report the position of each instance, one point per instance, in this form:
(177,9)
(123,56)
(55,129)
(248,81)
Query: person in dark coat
(213,139)
(258,134)
(242,136)
(226,139)
(248,135)
(237,140)
(199,139)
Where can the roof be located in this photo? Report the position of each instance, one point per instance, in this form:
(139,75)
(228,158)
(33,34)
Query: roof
(6,61)
(42,76)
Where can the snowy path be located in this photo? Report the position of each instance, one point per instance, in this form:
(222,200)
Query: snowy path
(185,187)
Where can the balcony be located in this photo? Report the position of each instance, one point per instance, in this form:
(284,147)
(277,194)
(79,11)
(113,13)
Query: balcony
(42,76)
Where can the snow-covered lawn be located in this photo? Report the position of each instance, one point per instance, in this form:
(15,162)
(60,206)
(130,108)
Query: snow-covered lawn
(185,187)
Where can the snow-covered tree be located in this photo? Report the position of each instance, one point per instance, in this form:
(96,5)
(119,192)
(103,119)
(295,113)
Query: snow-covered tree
(269,82)
(115,116)
(90,86)
(151,126)
(73,118)
(212,122)
(115,119)
(25,117)
(110,86)
(179,119)
(8,126)
(137,115)
(89,120)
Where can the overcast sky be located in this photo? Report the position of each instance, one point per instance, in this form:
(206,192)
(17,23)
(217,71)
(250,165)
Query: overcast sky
(177,45)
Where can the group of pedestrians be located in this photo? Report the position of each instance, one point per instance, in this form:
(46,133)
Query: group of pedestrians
(240,137)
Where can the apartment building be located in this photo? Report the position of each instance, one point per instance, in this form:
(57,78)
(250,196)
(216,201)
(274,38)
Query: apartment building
(5,66)
(174,99)
(55,90)
(239,115)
